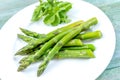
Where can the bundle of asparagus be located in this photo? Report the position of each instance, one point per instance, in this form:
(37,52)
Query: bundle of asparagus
(64,42)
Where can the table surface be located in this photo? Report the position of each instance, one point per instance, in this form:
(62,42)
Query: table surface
(110,7)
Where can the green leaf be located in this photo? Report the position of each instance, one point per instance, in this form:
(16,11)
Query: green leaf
(50,18)
(50,1)
(36,13)
(64,17)
(65,7)
(55,12)
(57,20)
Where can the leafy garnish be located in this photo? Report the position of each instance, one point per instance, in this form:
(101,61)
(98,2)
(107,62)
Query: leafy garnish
(54,12)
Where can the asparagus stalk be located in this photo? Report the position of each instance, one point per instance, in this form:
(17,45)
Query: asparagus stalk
(84,36)
(35,43)
(83,53)
(73,42)
(54,40)
(63,41)
(32,34)
(25,38)
(40,52)
(90,35)
(83,47)
(38,35)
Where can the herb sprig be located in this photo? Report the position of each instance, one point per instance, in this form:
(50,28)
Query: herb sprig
(54,12)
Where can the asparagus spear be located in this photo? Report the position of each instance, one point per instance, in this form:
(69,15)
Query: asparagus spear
(38,35)
(90,35)
(35,43)
(54,40)
(25,38)
(74,42)
(40,52)
(63,41)
(84,53)
(84,36)
(85,46)
(32,34)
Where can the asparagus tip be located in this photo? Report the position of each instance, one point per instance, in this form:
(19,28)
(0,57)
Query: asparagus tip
(23,66)
(20,68)
(41,68)
(39,72)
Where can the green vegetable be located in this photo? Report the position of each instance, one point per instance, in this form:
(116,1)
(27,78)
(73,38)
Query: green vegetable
(63,41)
(83,53)
(32,33)
(44,48)
(90,35)
(74,42)
(38,35)
(85,46)
(35,43)
(84,36)
(55,12)
(25,38)
(69,35)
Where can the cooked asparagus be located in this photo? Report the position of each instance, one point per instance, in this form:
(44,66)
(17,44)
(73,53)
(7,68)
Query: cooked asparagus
(25,38)
(85,46)
(38,35)
(90,35)
(71,33)
(74,42)
(83,53)
(35,43)
(31,33)
(63,41)
(84,36)
(40,52)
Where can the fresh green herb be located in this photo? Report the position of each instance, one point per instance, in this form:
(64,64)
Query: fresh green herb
(54,12)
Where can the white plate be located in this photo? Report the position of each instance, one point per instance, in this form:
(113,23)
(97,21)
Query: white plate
(68,69)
